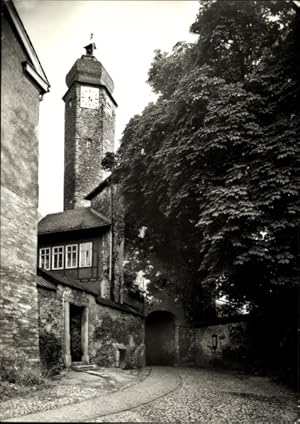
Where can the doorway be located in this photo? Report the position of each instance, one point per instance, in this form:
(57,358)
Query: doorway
(160,338)
(75,332)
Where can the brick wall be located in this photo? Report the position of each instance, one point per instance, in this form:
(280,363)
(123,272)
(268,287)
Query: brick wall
(19,199)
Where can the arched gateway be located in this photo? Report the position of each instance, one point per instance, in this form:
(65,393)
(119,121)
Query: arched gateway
(160,338)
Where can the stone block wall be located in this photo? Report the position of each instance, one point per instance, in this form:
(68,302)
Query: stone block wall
(108,329)
(50,328)
(112,328)
(221,345)
(19,199)
(187,345)
(102,202)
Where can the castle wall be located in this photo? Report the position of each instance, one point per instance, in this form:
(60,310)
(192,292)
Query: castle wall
(221,345)
(108,329)
(19,199)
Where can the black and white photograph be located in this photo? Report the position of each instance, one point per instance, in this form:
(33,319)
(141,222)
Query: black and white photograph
(150,211)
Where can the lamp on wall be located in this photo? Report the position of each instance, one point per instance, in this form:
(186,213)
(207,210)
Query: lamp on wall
(214,342)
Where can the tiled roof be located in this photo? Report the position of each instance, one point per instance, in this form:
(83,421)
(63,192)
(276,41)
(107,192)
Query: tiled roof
(75,219)
(55,278)
(51,278)
(41,282)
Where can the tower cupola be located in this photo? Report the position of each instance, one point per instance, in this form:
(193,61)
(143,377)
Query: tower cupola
(89,70)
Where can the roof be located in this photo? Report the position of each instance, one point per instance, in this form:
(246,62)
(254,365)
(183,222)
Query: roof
(74,219)
(45,284)
(99,188)
(33,67)
(49,279)
(55,278)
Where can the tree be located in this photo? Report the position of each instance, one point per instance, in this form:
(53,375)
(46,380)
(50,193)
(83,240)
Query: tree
(210,168)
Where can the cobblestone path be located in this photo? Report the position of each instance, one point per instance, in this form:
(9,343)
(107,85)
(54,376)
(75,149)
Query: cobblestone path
(207,396)
(182,395)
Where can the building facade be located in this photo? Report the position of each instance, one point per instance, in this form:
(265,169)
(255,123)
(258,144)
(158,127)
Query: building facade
(82,315)
(78,308)
(23,84)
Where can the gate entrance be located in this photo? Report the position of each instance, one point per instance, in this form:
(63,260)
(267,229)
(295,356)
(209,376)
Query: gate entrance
(160,338)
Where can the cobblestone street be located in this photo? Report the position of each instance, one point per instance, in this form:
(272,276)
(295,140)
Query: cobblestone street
(207,396)
(177,395)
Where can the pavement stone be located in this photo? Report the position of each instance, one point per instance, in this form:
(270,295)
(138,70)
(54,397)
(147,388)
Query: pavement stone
(183,395)
(161,381)
(207,396)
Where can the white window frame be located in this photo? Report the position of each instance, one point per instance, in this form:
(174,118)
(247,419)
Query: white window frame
(71,248)
(44,252)
(83,263)
(54,254)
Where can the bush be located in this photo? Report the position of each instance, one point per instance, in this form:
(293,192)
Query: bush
(16,368)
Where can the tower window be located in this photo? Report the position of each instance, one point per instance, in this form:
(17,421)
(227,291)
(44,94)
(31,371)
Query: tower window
(71,256)
(45,258)
(58,257)
(85,255)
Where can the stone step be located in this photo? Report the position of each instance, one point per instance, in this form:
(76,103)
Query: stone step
(77,366)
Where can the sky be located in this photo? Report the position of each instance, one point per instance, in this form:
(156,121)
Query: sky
(126,34)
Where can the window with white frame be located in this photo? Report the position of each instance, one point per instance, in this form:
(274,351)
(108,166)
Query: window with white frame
(85,255)
(58,257)
(45,258)
(71,256)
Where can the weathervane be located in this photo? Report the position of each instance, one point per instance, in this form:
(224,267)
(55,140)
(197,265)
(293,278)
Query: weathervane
(91,46)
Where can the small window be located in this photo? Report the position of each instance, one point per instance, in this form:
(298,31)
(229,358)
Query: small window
(45,258)
(71,256)
(85,255)
(58,257)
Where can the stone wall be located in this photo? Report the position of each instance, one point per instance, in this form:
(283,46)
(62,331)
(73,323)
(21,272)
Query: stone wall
(102,202)
(89,135)
(51,328)
(108,202)
(19,199)
(186,345)
(221,345)
(109,328)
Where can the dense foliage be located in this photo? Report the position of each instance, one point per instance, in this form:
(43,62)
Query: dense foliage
(211,168)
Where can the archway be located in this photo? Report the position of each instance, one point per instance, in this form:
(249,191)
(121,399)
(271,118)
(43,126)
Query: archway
(160,338)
